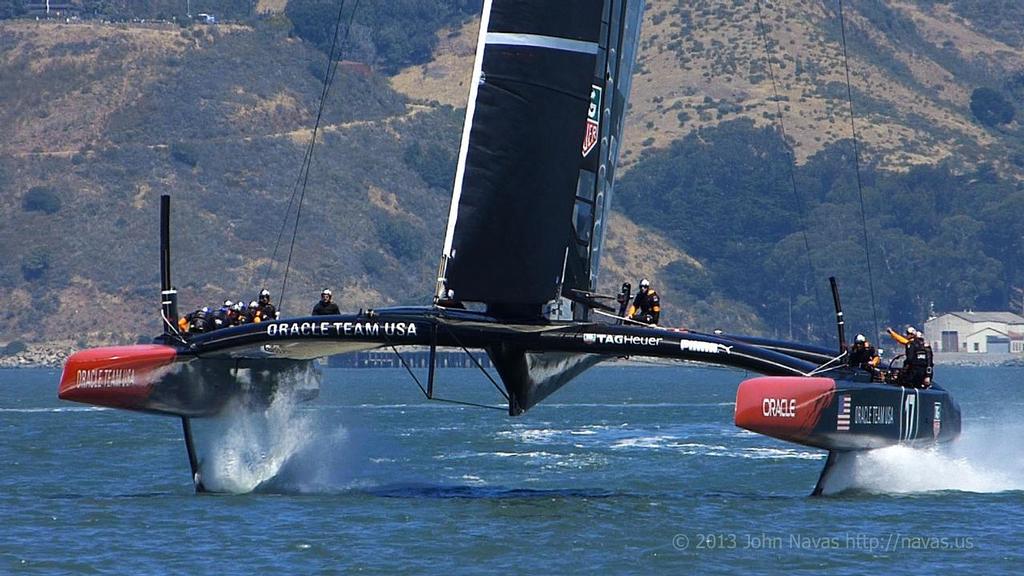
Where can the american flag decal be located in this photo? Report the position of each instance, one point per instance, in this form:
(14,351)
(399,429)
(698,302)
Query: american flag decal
(843,417)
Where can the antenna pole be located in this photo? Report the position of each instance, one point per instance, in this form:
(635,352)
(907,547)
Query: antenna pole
(168,295)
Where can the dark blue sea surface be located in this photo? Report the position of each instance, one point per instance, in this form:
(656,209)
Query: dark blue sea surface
(628,470)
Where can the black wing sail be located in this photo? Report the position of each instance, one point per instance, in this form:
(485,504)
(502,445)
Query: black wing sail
(507,241)
(608,99)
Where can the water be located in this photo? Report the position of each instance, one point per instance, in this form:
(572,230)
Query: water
(629,470)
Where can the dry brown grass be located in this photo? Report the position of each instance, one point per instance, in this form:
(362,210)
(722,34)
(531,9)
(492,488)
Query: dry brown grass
(632,252)
(445,78)
(271,6)
(667,86)
(386,201)
(66,121)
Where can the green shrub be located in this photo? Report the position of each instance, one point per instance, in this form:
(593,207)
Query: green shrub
(990,107)
(41,199)
(34,265)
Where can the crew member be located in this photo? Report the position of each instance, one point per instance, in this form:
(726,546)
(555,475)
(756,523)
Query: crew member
(449,300)
(239,314)
(325,306)
(863,354)
(266,309)
(200,320)
(919,364)
(253,312)
(623,299)
(224,316)
(646,307)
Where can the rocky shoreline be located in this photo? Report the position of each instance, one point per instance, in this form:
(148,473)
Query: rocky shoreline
(51,355)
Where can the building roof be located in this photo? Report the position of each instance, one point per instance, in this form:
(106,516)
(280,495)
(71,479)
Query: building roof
(1003,317)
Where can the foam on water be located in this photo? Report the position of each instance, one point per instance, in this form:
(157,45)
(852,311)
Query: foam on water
(282,446)
(243,448)
(985,459)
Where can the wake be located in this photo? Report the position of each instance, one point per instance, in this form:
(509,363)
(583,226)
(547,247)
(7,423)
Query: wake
(985,459)
(279,448)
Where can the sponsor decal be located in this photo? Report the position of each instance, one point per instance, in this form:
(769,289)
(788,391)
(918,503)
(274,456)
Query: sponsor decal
(908,426)
(371,329)
(872,414)
(779,407)
(593,133)
(705,347)
(106,378)
(843,418)
(936,419)
(621,339)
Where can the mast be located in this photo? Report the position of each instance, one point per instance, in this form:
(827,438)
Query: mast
(168,295)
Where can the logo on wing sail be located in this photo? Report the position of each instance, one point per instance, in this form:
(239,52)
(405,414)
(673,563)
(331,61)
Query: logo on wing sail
(593,133)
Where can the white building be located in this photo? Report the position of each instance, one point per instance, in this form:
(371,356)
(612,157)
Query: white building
(976,332)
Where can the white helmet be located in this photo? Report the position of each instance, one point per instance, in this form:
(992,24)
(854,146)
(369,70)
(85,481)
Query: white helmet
(645,283)
(228,303)
(911,331)
(253,304)
(860,339)
(326,292)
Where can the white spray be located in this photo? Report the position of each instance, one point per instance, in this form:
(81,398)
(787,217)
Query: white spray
(985,458)
(282,446)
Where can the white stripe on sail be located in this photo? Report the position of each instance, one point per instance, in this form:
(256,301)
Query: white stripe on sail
(536,40)
(460,170)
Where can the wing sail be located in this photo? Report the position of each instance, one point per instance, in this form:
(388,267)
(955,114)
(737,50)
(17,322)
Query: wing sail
(537,155)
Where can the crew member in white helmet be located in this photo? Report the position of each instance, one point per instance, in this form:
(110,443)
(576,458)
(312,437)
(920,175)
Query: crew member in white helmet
(325,306)
(646,307)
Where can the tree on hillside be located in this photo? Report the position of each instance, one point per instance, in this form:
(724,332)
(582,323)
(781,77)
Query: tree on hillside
(402,32)
(990,107)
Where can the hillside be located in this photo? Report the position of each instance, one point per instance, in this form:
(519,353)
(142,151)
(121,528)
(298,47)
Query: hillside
(100,119)
(913,69)
(105,118)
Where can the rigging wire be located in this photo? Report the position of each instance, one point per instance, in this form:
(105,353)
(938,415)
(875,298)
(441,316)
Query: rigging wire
(801,207)
(302,179)
(306,158)
(856,165)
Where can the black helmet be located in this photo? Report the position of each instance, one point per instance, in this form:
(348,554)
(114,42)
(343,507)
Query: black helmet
(265,294)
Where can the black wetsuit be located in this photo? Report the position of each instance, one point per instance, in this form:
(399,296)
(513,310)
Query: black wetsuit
(267,311)
(324,308)
(198,321)
(647,307)
(862,355)
(917,368)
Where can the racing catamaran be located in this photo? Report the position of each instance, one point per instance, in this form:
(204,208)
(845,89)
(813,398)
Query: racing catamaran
(518,271)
